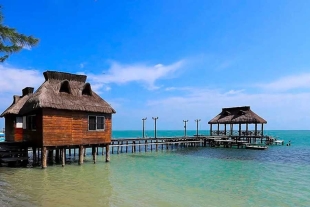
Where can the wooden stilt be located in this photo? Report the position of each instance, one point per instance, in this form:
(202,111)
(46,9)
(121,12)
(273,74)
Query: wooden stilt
(151,145)
(81,155)
(69,151)
(118,148)
(139,146)
(63,152)
(97,151)
(107,153)
(44,165)
(34,156)
(84,151)
(94,154)
(38,155)
(57,156)
(50,156)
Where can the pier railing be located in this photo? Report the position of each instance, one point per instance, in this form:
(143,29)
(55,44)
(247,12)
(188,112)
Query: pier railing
(236,133)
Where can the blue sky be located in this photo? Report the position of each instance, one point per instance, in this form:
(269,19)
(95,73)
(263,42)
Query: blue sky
(172,59)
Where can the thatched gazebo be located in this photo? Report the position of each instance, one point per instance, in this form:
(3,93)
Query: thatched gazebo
(241,116)
(64,112)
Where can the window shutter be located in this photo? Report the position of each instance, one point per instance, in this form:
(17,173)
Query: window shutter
(24,122)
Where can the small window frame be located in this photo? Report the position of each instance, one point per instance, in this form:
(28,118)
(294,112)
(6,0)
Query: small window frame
(96,123)
(32,122)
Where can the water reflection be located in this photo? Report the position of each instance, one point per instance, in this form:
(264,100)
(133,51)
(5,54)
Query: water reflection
(73,185)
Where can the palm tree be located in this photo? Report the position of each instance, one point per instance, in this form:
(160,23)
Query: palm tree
(11,41)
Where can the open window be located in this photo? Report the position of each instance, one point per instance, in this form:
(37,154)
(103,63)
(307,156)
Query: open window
(87,90)
(65,87)
(32,122)
(96,123)
(19,122)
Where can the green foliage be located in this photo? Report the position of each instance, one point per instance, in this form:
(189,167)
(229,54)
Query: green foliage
(11,41)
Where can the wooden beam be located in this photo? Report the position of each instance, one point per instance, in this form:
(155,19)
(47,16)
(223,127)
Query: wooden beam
(63,152)
(107,153)
(44,156)
(94,154)
(81,155)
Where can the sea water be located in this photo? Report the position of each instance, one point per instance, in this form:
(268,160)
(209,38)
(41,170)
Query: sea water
(195,176)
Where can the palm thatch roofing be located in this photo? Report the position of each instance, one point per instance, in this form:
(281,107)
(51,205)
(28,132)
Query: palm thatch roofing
(60,91)
(236,115)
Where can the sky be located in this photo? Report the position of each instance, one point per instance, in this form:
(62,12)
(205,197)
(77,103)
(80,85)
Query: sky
(173,59)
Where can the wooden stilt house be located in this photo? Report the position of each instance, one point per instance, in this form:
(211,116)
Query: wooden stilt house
(242,117)
(63,112)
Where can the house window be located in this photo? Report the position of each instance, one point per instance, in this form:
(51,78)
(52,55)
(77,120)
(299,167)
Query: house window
(32,123)
(96,123)
(19,122)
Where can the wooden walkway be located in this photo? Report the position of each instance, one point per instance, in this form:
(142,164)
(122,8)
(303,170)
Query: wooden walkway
(17,152)
(125,145)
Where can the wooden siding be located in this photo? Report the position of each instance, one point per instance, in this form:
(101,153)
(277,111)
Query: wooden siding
(64,127)
(18,134)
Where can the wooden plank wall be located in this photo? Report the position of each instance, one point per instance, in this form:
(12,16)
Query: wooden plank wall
(63,127)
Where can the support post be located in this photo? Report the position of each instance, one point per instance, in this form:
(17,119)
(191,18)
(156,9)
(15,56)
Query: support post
(210,129)
(50,156)
(218,128)
(57,156)
(185,121)
(43,152)
(63,156)
(262,129)
(197,124)
(34,156)
(81,155)
(94,154)
(155,132)
(107,153)
(225,129)
(143,133)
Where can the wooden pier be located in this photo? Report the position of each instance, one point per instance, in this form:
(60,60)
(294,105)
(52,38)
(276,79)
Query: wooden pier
(21,153)
(125,145)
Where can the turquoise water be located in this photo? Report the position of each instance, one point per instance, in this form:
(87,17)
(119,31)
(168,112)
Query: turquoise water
(200,176)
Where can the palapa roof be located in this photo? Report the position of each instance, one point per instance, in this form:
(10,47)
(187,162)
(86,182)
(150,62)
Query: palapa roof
(60,91)
(236,115)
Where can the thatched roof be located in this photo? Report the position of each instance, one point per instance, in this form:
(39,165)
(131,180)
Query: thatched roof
(236,115)
(18,103)
(61,91)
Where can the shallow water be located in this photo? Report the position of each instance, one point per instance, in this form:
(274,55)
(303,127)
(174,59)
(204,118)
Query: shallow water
(279,176)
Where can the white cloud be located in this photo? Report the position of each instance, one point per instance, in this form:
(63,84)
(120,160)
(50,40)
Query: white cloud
(145,74)
(289,82)
(281,110)
(13,80)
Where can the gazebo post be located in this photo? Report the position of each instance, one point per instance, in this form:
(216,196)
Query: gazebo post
(210,129)
(255,132)
(225,129)
(218,128)
(239,129)
(231,129)
(262,129)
